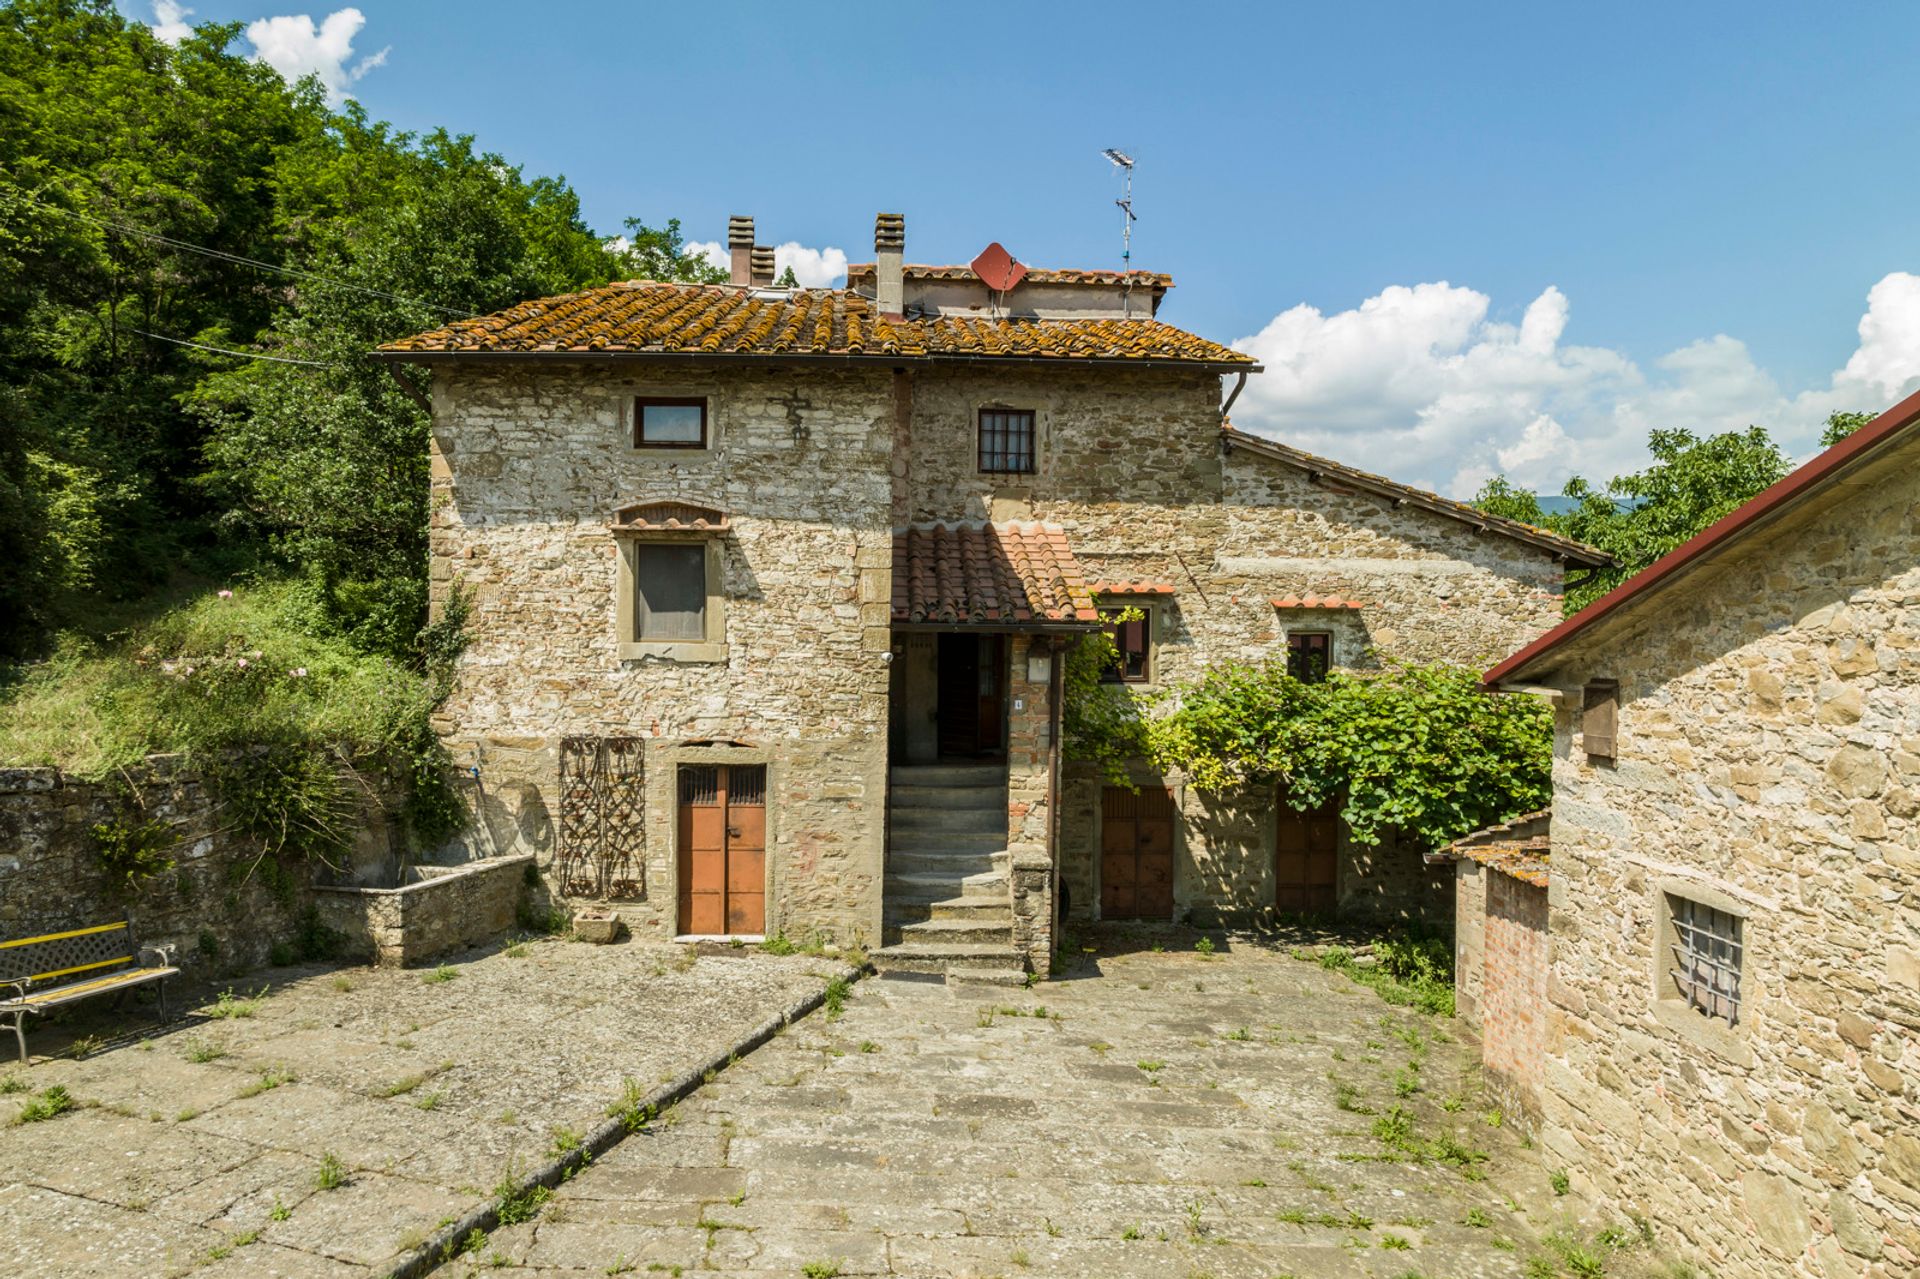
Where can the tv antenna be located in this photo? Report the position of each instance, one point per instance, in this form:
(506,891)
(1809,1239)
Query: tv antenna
(1124,162)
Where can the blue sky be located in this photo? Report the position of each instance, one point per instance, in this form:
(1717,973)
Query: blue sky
(1598,189)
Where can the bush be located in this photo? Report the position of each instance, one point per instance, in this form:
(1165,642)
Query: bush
(132,851)
(1410,969)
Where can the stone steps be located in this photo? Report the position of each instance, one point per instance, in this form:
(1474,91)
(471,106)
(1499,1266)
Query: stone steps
(947,957)
(948,906)
(911,823)
(979,931)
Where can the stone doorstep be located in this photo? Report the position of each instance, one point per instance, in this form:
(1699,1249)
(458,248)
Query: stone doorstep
(915,797)
(960,932)
(933,887)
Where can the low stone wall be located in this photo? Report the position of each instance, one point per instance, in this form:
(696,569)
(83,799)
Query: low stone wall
(1513,1008)
(447,908)
(1031,883)
(220,908)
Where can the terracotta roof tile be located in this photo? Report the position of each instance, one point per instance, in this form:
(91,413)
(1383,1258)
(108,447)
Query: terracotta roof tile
(1034,275)
(1136,586)
(642,318)
(1005,575)
(1315,601)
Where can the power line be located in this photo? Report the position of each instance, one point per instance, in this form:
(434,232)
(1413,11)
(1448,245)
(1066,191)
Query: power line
(223,256)
(222,350)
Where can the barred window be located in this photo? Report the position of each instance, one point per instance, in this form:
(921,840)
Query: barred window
(1006,441)
(1707,951)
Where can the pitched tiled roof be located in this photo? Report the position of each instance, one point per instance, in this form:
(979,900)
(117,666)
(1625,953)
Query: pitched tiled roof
(1315,601)
(1034,275)
(1334,474)
(1521,847)
(988,574)
(642,318)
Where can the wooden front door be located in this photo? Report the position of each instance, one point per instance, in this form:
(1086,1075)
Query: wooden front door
(723,848)
(1306,852)
(1136,853)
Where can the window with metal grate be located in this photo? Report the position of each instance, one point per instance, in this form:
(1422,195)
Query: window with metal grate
(1707,948)
(1006,441)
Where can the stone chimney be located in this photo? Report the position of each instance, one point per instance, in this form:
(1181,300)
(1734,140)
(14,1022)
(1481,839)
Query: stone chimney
(889,250)
(740,246)
(762,266)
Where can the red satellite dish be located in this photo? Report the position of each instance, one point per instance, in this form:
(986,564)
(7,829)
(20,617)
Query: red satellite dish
(996,266)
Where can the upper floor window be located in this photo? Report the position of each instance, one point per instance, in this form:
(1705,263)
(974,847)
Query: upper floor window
(1309,655)
(669,593)
(1006,441)
(1133,637)
(670,602)
(670,423)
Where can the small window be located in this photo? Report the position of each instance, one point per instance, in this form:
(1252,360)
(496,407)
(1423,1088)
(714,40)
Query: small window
(670,423)
(1707,948)
(1134,639)
(1006,441)
(670,602)
(1600,705)
(1309,655)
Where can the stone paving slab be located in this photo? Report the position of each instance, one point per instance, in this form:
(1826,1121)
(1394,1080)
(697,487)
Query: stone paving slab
(1159,1113)
(196,1147)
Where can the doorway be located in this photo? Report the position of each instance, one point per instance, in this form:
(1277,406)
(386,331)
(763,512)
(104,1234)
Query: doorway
(1306,856)
(972,695)
(723,849)
(1136,853)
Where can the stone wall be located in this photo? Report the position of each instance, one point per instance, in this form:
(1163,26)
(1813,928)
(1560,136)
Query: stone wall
(1132,466)
(1768,764)
(445,908)
(528,471)
(1469,940)
(216,907)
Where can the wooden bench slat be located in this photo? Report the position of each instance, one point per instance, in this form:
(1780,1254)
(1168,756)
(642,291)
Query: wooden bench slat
(80,968)
(85,989)
(72,932)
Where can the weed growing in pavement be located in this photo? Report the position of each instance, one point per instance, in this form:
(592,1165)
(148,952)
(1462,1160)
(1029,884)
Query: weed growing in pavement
(11,1083)
(440,976)
(51,1102)
(517,1203)
(331,1174)
(821,1270)
(200,1051)
(1560,1182)
(227,1006)
(270,1078)
(835,998)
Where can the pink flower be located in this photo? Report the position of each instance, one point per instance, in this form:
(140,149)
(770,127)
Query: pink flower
(226,595)
(243,663)
(298,672)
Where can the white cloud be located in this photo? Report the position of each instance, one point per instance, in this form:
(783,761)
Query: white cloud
(814,268)
(170,23)
(294,47)
(1419,383)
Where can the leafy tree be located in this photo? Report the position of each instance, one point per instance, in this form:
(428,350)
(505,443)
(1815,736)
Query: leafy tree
(1638,518)
(1842,424)
(787,280)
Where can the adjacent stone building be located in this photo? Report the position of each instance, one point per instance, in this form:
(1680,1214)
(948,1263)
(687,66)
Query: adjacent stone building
(1732,1044)
(771,590)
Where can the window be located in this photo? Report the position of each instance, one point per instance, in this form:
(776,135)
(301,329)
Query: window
(1006,441)
(1134,639)
(1599,712)
(1706,946)
(670,599)
(670,423)
(1309,655)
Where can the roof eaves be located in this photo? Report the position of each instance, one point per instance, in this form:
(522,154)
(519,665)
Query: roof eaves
(1807,481)
(1565,547)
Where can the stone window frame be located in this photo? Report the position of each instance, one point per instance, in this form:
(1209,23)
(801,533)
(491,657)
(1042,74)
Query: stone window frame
(626,420)
(630,647)
(1670,1008)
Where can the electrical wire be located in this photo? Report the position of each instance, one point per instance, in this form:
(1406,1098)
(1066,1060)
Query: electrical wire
(222,350)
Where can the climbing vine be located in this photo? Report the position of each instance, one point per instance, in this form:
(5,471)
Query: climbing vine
(1102,724)
(1419,749)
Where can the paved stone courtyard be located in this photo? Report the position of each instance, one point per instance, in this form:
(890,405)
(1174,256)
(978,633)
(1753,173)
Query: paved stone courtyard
(200,1147)
(1157,1113)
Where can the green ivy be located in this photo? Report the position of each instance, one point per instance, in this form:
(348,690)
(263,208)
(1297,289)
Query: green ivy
(1418,749)
(132,851)
(1101,723)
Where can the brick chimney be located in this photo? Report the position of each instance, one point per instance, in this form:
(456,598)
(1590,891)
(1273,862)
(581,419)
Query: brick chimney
(889,249)
(740,247)
(762,266)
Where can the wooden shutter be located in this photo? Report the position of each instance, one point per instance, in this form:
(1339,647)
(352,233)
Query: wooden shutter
(1598,718)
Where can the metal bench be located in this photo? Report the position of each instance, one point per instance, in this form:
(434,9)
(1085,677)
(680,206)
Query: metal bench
(63,968)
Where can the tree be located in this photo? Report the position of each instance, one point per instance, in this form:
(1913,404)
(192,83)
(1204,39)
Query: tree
(1638,518)
(1842,424)
(787,280)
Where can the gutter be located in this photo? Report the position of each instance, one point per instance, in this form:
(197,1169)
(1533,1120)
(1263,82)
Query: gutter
(1772,503)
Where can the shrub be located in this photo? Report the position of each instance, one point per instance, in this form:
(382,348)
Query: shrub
(132,851)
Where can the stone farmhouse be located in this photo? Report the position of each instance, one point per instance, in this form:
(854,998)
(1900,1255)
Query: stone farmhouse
(1728,958)
(770,591)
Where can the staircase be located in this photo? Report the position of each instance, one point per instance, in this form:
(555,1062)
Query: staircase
(948,906)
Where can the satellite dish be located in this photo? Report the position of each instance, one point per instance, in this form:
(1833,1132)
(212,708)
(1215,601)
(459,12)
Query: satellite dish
(997,268)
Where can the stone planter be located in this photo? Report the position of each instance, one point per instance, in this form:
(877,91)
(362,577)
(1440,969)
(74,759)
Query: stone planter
(440,909)
(597,926)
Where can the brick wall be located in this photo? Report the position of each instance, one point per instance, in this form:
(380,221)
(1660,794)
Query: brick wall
(1513,998)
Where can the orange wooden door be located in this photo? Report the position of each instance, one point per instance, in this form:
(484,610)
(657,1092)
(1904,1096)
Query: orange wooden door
(1306,853)
(1136,853)
(723,849)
